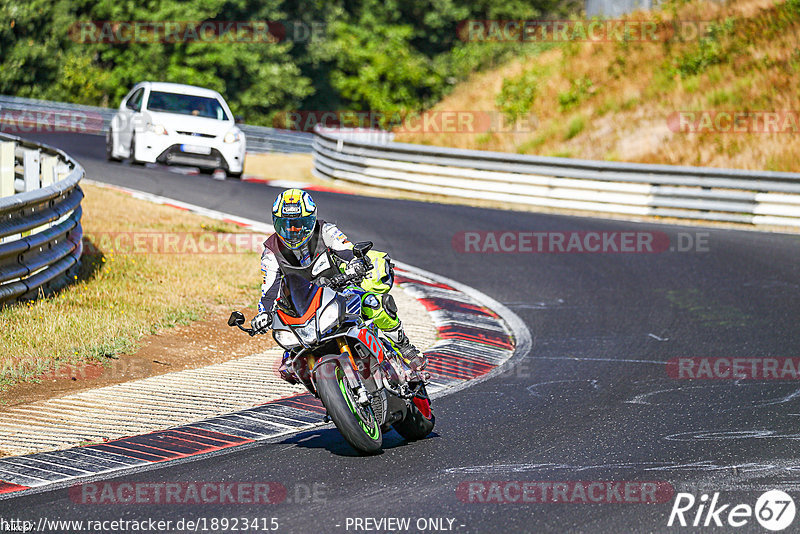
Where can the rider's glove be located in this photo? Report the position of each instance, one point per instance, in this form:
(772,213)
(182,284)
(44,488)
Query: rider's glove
(356,266)
(261,323)
(338,280)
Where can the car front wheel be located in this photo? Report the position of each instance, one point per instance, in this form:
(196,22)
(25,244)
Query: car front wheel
(132,156)
(110,146)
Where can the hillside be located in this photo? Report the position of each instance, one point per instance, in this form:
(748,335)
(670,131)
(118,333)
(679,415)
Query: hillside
(726,98)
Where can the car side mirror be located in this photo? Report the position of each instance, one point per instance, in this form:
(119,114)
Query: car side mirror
(236,319)
(238,119)
(361,248)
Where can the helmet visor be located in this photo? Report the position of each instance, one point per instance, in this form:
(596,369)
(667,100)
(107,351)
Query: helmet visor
(293,231)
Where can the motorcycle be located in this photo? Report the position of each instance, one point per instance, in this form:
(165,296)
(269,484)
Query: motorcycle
(364,385)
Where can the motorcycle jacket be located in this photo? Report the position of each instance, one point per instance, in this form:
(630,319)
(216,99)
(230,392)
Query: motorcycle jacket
(321,256)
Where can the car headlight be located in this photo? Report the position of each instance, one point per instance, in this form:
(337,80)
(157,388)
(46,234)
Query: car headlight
(286,339)
(329,317)
(233,136)
(156,129)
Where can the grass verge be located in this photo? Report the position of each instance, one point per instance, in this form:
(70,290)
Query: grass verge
(122,295)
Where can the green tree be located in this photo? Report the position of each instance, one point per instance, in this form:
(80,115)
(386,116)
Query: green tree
(388,56)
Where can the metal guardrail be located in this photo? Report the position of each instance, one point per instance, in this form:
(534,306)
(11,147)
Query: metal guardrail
(261,139)
(28,114)
(616,8)
(749,197)
(40,218)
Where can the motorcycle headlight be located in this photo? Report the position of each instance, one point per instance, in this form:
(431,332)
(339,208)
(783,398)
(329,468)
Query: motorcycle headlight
(308,333)
(156,129)
(329,317)
(286,339)
(233,136)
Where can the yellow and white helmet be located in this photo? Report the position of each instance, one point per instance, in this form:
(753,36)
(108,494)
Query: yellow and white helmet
(294,215)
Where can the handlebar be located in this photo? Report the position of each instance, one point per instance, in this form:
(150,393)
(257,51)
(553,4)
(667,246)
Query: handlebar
(248,330)
(338,281)
(341,280)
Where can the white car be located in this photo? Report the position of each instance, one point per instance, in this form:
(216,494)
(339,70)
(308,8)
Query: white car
(176,124)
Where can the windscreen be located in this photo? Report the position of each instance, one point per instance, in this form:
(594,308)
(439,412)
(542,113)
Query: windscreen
(297,294)
(198,106)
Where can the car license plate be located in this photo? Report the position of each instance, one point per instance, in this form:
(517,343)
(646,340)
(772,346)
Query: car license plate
(195,149)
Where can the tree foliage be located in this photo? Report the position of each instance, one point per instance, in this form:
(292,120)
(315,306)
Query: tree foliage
(389,55)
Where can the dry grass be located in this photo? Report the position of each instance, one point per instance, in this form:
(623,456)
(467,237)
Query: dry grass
(120,297)
(296,167)
(631,89)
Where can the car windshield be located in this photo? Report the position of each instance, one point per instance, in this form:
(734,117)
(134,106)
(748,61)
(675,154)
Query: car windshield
(199,106)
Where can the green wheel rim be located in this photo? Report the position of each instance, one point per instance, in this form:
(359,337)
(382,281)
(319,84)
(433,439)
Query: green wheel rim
(374,431)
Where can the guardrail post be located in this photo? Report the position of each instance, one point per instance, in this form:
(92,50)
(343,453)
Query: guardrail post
(62,170)
(49,176)
(31,176)
(6,169)
(49,164)
(31,170)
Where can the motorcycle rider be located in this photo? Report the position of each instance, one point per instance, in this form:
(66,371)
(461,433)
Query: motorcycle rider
(317,250)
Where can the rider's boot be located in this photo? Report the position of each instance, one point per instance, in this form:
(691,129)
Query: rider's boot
(415,359)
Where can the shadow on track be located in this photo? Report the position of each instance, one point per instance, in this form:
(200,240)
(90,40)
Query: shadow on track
(331,440)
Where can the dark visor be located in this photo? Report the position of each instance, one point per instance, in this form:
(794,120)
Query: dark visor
(296,229)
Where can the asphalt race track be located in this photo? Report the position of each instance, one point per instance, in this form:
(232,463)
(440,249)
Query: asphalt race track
(592,401)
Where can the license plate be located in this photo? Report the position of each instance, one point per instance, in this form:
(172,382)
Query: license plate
(195,149)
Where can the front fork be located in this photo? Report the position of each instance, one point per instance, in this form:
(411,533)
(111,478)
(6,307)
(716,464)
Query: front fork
(357,385)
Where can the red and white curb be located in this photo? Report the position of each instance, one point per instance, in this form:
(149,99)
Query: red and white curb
(290,184)
(477,335)
(220,175)
(250,224)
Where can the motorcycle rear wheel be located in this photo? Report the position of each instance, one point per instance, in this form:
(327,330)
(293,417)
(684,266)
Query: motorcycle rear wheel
(416,424)
(358,425)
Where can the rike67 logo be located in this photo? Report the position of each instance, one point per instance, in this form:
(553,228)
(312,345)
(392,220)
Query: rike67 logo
(774,510)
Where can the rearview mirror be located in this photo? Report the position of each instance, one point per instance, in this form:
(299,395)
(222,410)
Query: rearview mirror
(361,248)
(236,319)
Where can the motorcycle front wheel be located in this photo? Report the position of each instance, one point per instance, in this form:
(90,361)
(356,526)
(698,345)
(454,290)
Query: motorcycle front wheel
(357,424)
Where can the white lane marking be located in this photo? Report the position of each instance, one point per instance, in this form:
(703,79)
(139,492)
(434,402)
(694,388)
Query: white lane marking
(701,465)
(612,360)
(787,398)
(720,435)
(658,338)
(532,387)
(541,305)
(641,398)
(257,226)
